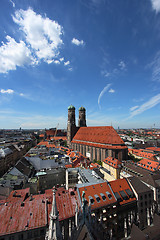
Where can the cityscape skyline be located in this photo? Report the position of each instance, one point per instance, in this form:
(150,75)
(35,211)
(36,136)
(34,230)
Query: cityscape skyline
(103,55)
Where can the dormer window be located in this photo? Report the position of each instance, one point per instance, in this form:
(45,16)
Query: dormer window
(97,198)
(91,200)
(109,195)
(103,196)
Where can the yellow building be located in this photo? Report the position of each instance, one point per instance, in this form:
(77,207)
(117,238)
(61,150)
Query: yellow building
(111,168)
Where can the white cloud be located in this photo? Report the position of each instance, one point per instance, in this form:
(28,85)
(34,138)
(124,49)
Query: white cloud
(111,90)
(66,63)
(113,72)
(70,69)
(42,40)
(107,74)
(152,102)
(133,108)
(13,4)
(8,91)
(13,54)
(122,65)
(155,65)
(57,62)
(42,34)
(77,42)
(102,92)
(156,5)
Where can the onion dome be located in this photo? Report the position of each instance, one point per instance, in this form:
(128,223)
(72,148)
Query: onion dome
(71,107)
(82,109)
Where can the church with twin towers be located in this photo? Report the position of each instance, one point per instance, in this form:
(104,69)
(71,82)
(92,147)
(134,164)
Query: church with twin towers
(96,143)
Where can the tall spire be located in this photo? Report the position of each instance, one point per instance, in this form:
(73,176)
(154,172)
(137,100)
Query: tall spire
(76,215)
(71,124)
(82,117)
(54,232)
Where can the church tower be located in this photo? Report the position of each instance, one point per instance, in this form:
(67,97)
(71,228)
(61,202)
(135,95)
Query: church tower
(82,117)
(71,125)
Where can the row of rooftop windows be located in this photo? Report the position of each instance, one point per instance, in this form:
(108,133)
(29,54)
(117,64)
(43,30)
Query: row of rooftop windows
(120,196)
(98,199)
(144,165)
(132,171)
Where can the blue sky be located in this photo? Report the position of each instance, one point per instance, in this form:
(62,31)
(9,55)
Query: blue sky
(100,54)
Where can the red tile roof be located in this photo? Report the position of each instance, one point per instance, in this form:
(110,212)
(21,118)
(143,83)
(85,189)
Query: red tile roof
(17,217)
(41,135)
(119,186)
(68,165)
(115,163)
(98,192)
(153,149)
(58,138)
(94,165)
(100,145)
(101,135)
(142,153)
(149,165)
(76,158)
(65,200)
(47,144)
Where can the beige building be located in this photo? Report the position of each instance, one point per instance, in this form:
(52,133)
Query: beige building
(111,168)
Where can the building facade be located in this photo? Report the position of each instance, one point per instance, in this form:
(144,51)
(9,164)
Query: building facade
(96,143)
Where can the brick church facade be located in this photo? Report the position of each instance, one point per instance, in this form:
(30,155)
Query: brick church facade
(94,142)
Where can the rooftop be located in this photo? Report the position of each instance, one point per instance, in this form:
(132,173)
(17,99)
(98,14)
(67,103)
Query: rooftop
(22,211)
(100,135)
(100,194)
(115,163)
(122,191)
(138,185)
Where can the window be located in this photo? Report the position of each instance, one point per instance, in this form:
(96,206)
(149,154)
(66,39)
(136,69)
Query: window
(124,195)
(96,153)
(103,196)
(116,154)
(106,153)
(97,198)
(99,154)
(109,195)
(119,199)
(130,193)
(91,200)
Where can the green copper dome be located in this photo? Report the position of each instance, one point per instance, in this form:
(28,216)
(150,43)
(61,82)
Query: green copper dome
(71,107)
(82,109)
